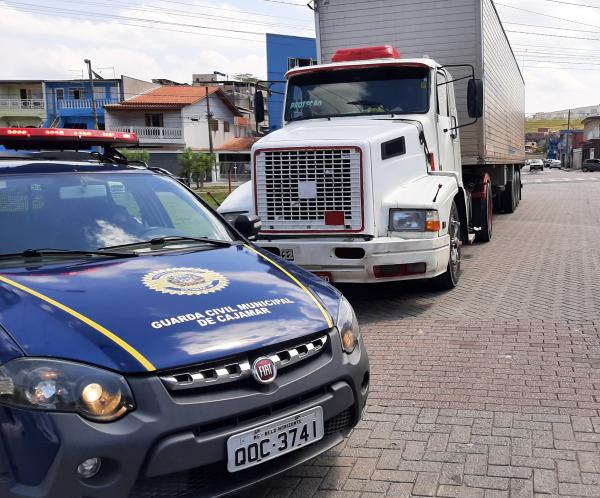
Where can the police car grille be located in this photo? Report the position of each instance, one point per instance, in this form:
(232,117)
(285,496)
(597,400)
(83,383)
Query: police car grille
(296,187)
(240,370)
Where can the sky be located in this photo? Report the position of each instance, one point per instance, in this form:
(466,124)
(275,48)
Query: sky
(48,39)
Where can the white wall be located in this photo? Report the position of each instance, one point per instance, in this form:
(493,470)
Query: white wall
(195,133)
(591,129)
(172,119)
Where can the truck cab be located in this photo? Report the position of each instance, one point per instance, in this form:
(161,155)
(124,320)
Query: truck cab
(364,183)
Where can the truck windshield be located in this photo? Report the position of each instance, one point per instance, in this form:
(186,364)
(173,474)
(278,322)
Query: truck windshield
(354,92)
(89,211)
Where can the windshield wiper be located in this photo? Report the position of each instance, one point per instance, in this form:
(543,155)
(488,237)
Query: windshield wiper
(161,241)
(40,253)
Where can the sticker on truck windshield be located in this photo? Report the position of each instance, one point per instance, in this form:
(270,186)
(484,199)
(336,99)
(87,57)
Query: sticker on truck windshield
(298,105)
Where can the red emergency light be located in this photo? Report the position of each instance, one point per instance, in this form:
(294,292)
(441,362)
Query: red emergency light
(365,53)
(63,138)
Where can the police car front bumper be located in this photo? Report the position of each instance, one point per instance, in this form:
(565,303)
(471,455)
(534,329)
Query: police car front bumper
(172,445)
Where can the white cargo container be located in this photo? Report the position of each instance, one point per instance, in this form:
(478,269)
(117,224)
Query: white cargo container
(388,162)
(450,32)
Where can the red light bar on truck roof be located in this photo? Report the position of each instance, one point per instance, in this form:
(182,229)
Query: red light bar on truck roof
(63,138)
(365,53)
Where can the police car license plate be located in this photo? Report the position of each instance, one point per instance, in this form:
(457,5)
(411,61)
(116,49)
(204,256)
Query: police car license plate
(273,440)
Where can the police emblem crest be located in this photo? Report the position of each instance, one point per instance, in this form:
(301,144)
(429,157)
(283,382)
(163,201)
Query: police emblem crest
(185,281)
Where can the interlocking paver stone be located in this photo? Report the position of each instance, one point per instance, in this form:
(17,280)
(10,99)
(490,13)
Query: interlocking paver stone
(491,390)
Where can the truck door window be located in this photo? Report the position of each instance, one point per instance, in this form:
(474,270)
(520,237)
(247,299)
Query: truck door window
(442,95)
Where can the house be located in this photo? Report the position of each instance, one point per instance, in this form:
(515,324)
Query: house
(591,135)
(284,53)
(240,93)
(235,160)
(22,103)
(170,118)
(568,141)
(70,105)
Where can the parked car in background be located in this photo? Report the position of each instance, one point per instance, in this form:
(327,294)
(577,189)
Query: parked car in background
(553,163)
(536,164)
(591,165)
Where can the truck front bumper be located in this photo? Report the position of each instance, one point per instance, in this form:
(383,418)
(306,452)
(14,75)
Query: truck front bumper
(176,445)
(322,256)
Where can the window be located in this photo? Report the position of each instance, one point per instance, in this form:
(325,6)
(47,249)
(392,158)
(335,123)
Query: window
(76,93)
(296,62)
(353,92)
(214,125)
(442,94)
(155,120)
(60,94)
(88,210)
(226,126)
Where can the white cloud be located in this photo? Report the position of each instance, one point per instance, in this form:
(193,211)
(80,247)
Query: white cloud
(38,46)
(46,47)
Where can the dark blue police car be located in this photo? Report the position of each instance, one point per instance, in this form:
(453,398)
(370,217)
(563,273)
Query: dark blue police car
(147,348)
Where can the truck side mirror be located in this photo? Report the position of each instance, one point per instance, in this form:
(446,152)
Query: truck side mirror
(248,225)
(259,107)
(475,98)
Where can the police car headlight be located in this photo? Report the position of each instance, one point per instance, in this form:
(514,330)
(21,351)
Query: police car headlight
(62,386)
(347,326)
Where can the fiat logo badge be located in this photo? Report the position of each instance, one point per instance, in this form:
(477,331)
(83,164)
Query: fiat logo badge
(264,370)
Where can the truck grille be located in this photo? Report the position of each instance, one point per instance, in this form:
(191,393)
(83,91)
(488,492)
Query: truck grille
(309,189)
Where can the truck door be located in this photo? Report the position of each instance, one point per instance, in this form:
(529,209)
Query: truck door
(444,122)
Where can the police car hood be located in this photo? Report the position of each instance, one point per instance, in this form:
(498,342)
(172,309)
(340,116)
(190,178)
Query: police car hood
(164,311)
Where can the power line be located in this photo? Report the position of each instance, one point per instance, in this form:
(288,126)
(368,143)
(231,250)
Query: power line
(183,13)
(552,27)
(551,36)
(286,3)
(139,19)
(155,28)
(546,15)
(574,4)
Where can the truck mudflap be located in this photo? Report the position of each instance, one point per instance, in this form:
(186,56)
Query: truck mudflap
(366,261)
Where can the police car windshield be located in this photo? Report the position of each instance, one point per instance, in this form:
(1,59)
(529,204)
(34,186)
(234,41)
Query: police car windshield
(89,211)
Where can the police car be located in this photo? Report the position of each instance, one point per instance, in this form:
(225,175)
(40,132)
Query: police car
(148,348)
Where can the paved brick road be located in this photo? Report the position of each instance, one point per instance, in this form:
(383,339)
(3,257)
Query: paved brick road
(491,390)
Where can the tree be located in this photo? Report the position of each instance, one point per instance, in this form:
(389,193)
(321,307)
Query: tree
(136,155)
(195,165)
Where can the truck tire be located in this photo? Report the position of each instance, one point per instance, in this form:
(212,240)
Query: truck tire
(509,196)
(483,214)
(449,280)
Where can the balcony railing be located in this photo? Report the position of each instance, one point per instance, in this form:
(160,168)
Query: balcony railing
(21,103)
(84,103)
(152,133)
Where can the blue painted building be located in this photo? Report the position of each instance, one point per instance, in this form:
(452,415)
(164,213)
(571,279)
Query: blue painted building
(69,102)
(285,53)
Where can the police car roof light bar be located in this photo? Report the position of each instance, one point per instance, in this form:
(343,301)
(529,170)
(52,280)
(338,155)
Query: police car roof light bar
(64,139)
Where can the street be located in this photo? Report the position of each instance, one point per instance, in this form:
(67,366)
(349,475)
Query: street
(491,390)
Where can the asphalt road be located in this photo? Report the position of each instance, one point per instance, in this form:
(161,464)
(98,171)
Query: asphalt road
(491,390)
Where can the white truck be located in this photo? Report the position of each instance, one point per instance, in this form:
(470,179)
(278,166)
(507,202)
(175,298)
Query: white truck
(391,158)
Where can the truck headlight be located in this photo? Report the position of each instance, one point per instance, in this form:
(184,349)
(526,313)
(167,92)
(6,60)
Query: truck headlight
(414,220)
(62,386)
(347,326)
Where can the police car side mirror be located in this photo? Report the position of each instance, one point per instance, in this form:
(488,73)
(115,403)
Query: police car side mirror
(248,225)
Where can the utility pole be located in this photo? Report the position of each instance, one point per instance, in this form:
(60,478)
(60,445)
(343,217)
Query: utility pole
(210,139)
(569,140)
(91,79)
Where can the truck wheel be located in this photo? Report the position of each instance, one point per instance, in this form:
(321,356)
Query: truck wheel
(508,198)
(449,280)
(484,215)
